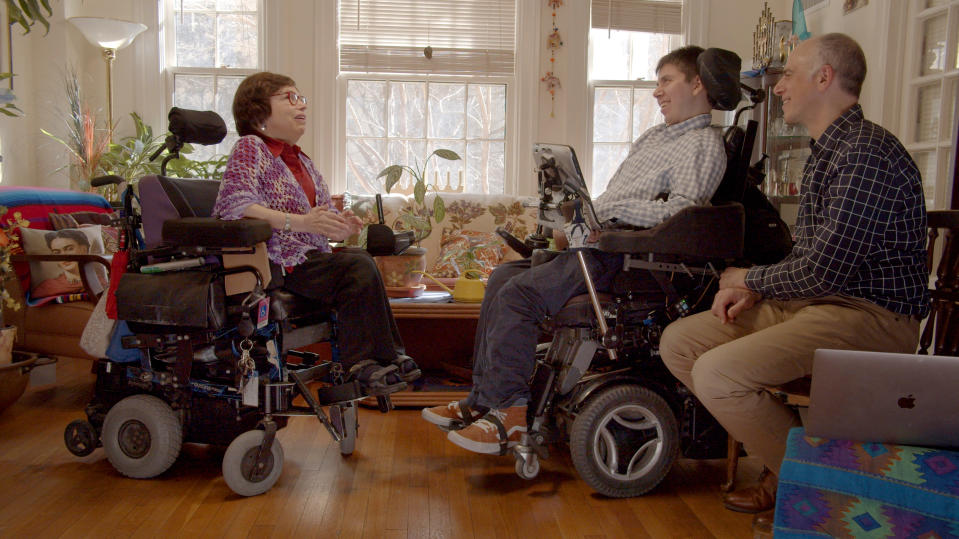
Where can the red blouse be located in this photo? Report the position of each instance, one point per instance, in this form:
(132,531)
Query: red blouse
(289,153)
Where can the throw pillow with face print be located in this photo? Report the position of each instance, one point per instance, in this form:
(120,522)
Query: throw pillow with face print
(57,278)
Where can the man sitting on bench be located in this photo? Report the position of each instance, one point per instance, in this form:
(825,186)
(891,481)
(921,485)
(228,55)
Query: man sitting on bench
(856,278)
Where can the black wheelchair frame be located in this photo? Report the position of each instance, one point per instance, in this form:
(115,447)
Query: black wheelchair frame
(226,380)
(599,385)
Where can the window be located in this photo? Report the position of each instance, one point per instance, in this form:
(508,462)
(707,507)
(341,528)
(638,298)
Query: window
(626,41)
(425,74)
(213,46)
(931,91)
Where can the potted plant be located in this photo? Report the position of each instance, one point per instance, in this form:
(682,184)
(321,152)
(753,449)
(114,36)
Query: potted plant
(403,273)
(86,142)
(92,154)
(26,13)
(417,216)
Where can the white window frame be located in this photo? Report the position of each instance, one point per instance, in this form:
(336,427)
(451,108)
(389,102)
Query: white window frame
(344,79)
(944,147)
(695,21)
(522,98)
(168,52)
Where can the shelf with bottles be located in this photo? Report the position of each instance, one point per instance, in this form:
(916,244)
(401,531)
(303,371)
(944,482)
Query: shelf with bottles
(784,172)
(789,139)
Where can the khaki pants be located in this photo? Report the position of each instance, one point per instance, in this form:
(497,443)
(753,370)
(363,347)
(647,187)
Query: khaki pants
(727,366)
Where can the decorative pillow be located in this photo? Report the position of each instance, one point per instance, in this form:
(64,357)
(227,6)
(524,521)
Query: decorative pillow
(54,280)
(80,219)
(465,249)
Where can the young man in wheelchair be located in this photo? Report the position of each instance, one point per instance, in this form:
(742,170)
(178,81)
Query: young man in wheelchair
(683,159)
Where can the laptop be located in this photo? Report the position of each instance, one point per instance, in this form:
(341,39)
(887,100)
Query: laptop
(883,397)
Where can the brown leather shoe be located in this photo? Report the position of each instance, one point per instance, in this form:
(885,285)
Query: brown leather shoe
(763,523)
(755,499)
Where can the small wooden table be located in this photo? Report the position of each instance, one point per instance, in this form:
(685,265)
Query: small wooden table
(435,333)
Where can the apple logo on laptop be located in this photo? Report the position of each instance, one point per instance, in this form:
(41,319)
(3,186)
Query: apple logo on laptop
(907,402)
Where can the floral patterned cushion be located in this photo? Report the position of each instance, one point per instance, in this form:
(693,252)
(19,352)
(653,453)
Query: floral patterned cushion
(470,219)
(468,249)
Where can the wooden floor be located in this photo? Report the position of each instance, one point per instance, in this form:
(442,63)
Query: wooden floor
(404,480)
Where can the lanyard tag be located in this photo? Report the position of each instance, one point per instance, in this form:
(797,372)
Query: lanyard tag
(250,390)
(262,312)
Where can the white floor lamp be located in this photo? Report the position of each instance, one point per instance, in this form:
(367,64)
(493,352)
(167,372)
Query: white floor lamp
(110,34)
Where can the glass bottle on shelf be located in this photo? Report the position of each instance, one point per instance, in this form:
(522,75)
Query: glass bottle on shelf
(785,144)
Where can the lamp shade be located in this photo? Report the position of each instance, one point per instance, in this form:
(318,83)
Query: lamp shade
(108,33)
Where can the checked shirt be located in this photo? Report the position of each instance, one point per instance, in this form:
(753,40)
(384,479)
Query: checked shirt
(861,227)
(685,160)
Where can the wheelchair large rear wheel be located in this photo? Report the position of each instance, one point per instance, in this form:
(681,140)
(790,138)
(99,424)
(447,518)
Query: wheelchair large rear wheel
(624,441)
(240,469)
(141,436)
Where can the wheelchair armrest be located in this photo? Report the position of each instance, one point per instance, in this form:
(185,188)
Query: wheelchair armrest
(702,232)
(212,232)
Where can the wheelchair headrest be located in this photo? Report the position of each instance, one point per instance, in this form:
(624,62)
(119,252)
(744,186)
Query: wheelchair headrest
(196,126)
(719,71)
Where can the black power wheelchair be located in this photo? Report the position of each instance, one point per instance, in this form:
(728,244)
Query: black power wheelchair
(200,361)
(599,385)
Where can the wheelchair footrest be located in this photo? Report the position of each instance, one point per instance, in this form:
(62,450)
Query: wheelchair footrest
(340,393)
(384,403)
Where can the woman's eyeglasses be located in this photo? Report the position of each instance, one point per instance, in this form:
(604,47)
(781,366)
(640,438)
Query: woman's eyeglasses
(293,97)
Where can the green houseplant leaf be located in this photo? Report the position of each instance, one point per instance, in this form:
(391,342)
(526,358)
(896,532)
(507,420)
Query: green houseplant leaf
(439,209)
(393,174)
(418,217)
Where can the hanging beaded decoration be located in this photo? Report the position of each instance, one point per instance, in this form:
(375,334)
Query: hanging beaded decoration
(553,43)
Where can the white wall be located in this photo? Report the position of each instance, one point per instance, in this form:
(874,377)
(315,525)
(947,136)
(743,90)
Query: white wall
(297,34)
(879,27)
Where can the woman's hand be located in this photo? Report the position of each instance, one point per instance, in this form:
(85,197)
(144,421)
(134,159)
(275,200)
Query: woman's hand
(355,222)
(320,220)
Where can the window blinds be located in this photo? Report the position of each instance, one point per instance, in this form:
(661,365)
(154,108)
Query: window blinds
(662,17)
(467,37)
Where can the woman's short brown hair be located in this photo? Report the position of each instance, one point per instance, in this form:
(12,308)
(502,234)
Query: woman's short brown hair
(251,104)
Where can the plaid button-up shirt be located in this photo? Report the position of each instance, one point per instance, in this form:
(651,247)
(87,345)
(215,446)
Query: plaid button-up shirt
(861,228)
(685,160)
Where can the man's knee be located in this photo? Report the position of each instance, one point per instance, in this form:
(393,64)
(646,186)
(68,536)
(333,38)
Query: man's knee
(714,376)
(673,346)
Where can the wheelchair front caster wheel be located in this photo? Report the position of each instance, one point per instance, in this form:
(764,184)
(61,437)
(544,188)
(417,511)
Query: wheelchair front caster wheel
(527,468)
(345,421)
(80,437)
(241,471)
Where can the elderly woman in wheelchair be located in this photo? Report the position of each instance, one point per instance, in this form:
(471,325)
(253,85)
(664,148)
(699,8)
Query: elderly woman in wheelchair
(269,178)
(200,358)
(598,385)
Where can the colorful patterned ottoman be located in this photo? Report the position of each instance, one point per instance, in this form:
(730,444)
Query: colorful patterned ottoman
(841,488)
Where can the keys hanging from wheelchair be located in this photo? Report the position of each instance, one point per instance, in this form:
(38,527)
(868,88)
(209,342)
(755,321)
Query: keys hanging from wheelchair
(258,303)
(249,380)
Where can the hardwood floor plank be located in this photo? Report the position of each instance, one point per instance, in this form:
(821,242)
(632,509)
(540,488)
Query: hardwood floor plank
(404,480)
